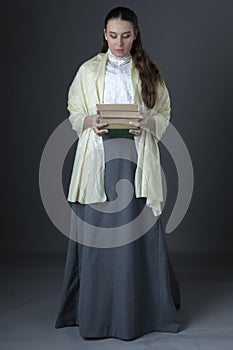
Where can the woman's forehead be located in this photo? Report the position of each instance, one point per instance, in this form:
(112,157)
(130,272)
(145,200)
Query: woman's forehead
(119,25)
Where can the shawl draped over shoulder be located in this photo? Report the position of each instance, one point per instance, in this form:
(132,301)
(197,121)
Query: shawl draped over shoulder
(87,178)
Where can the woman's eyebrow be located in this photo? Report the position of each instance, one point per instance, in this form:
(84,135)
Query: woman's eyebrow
(110,31)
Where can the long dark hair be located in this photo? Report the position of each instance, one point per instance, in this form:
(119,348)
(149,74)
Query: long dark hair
(148,71)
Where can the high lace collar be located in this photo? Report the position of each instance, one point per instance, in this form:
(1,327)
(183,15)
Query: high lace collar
(118,61)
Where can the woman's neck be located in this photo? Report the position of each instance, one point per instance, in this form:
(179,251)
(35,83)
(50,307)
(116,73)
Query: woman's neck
(118,61)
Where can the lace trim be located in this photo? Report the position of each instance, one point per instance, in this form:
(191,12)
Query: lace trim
(118,61)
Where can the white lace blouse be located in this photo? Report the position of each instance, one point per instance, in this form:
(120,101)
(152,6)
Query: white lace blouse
(117,86)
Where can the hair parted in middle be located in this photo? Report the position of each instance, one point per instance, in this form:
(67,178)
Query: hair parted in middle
(149,73)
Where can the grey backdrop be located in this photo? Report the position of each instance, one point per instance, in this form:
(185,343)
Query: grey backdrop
(45,42)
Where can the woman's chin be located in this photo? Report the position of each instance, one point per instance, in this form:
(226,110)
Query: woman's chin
(119,53)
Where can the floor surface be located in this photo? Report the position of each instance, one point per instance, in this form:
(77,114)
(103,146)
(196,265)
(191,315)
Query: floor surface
(30,290)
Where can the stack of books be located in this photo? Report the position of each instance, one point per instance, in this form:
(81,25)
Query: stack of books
(118,117)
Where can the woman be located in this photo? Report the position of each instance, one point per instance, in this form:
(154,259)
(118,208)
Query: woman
(128,289)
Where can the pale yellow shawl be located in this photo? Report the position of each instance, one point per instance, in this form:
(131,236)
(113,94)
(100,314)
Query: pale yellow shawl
(87,179)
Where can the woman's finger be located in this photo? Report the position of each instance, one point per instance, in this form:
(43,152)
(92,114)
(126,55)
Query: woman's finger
(135,123)
(100,132)
(136,132)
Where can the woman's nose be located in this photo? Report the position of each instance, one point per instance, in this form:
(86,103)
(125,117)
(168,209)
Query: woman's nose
(119,41)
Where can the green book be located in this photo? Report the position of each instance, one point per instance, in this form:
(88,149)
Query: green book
(118,133)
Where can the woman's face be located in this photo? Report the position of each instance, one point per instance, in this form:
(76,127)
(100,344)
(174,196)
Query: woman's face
(120,36)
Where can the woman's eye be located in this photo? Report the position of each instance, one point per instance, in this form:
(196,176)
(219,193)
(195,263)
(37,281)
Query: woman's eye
(124,37)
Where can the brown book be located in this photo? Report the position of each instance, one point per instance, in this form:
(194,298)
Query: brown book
(118,115)
(117,107)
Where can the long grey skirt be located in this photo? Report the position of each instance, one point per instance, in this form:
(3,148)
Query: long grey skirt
(123,291)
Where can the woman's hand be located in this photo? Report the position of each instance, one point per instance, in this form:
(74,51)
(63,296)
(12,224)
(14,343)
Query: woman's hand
(92,121)
(145,122)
